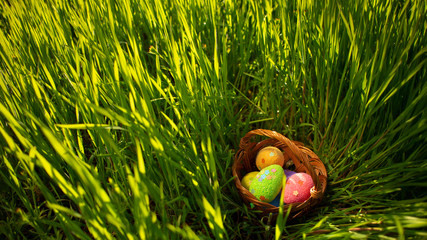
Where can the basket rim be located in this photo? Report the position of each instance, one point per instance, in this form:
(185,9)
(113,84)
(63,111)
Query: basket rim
(304,159)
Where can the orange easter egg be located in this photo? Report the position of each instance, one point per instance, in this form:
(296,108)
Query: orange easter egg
(269,156)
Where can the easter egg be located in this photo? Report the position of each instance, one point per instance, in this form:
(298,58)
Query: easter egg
(268,183)
(297,188)
(289,173)
(247,179)
(276,201)
(269,156)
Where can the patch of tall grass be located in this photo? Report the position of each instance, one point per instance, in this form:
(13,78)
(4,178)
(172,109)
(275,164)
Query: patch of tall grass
(120,119)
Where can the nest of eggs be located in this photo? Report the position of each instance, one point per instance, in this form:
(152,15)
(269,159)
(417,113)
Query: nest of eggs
(296,155)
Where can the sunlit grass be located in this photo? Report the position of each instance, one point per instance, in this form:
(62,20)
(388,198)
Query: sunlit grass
(120,119)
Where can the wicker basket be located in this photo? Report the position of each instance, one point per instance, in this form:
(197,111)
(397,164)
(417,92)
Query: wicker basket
(303,158)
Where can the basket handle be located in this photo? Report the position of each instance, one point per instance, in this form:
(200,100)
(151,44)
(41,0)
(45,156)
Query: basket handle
(244,142)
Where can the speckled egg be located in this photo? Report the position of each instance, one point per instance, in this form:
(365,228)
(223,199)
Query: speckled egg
(269,156)
(297,188)
(247,179)
(268,183)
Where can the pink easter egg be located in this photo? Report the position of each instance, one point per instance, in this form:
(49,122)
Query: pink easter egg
(297,188)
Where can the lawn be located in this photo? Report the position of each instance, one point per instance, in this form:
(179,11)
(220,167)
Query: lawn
(121,118)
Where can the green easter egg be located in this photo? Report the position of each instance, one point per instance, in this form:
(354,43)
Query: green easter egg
(268,183)
(247,179)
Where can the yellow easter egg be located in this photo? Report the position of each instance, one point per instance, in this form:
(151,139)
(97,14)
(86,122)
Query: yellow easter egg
(247,179)
(269,156)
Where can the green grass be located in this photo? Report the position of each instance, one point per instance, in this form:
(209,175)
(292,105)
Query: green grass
(120,119)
